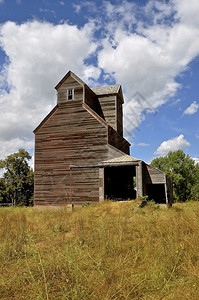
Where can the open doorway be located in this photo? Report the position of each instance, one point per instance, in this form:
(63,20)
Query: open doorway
(119,182)
(156,192)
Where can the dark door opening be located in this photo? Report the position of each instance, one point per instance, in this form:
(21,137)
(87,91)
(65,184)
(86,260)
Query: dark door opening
(119,182)
(156,192)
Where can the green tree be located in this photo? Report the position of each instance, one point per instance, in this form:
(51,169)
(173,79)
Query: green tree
(2,191)
(195,188)
(17,184)
(181,168)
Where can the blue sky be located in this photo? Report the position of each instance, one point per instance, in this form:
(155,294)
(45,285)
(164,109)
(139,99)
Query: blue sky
(150,47)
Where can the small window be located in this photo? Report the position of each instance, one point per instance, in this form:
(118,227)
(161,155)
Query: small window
(70,94)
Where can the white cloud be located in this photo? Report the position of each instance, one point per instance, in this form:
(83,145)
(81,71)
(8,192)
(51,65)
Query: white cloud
(39,56)
(175,102)
(173,144)
(91,74)
(187,11)
(77,7)
(13,145)
(149,58)
(143,145)
(192,109)
(1,1)
(88,5)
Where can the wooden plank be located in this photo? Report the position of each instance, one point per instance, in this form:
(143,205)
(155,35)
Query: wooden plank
(108,106)
(117,141)
(152,175)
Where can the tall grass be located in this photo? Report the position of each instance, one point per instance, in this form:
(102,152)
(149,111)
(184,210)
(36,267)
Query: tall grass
(106,251)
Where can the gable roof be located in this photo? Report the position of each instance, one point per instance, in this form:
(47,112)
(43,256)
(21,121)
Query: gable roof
(99,91)
(66,76)
(81,82)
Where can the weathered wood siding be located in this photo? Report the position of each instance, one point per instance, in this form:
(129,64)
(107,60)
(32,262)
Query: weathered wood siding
(119,114)
(74,135)
(169,188)
(117,141)
(114,152)
(93,102)
(108,106)
(84,185)
(139,179)
(151,175)
(69,83)
(71,136)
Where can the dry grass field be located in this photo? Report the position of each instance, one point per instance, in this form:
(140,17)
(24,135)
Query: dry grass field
(106,251)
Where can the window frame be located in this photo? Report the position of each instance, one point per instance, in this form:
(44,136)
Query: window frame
(70,94)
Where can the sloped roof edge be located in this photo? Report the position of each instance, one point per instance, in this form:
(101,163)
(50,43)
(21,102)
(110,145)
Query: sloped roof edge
(66,76)
(99,91)
(155,168)
(108,90)
(94,114)
(46,118)
(122,159)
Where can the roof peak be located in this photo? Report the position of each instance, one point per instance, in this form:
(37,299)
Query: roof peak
(69,73)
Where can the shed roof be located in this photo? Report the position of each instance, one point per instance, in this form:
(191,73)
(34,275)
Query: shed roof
(122,159)
(108,89)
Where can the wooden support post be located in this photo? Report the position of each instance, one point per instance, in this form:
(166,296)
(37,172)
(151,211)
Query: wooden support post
(139,180)
(166,193)
(70,186)
(101,184)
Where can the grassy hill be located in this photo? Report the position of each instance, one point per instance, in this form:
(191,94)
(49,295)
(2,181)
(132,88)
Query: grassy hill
(105,251)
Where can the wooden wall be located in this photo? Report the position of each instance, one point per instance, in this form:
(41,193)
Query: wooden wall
(93,102)
(84,185)
(69,83)
(70,136)
(111,106)
(73,135)
(117,141)
(114,152)
(156,177)
(108,106)
(152,175)
(119,116)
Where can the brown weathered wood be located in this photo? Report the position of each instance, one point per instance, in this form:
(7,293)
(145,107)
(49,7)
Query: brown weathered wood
(74,134)
(152,175)
(74,140)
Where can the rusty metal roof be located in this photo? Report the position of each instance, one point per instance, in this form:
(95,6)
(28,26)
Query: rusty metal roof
(105,90)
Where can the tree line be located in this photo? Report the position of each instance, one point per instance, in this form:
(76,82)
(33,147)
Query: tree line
(17,182)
